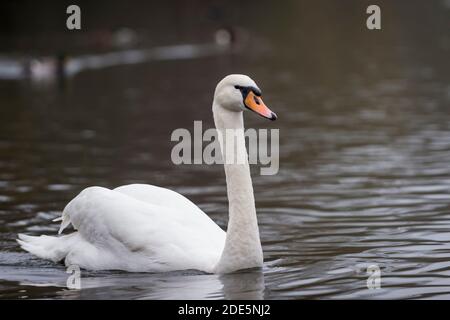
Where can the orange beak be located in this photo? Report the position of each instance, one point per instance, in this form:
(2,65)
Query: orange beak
(255,103)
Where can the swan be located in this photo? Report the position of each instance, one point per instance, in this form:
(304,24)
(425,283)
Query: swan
(145,228)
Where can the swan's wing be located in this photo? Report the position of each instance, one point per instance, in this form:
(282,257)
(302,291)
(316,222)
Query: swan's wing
(159,196)
(169,199)
(134,232)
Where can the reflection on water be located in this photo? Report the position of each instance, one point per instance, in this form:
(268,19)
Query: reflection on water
(50,282)
(364,159)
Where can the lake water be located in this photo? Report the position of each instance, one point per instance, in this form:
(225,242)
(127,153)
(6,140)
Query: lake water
(364,173)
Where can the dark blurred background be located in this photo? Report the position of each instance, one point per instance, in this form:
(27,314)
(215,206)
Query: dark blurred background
(323,33)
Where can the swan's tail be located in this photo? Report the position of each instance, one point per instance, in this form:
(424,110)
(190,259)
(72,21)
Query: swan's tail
(46,247)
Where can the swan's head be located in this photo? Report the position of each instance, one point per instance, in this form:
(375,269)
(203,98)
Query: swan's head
(238,92)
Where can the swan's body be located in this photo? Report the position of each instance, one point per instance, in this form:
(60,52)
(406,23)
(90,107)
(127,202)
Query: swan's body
(134,228)
(142,228)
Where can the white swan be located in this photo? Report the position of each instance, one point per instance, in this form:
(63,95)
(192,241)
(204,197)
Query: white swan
(144,228)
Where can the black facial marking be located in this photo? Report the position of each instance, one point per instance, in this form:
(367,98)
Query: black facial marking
(246,90)
(256,91)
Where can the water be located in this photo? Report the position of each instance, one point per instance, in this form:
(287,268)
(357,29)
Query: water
(364,159)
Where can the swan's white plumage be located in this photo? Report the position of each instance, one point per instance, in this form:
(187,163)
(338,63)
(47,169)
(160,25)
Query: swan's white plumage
(133,228)
(147,228)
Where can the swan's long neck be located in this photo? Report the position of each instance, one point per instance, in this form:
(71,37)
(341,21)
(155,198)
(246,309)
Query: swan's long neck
(242,246)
